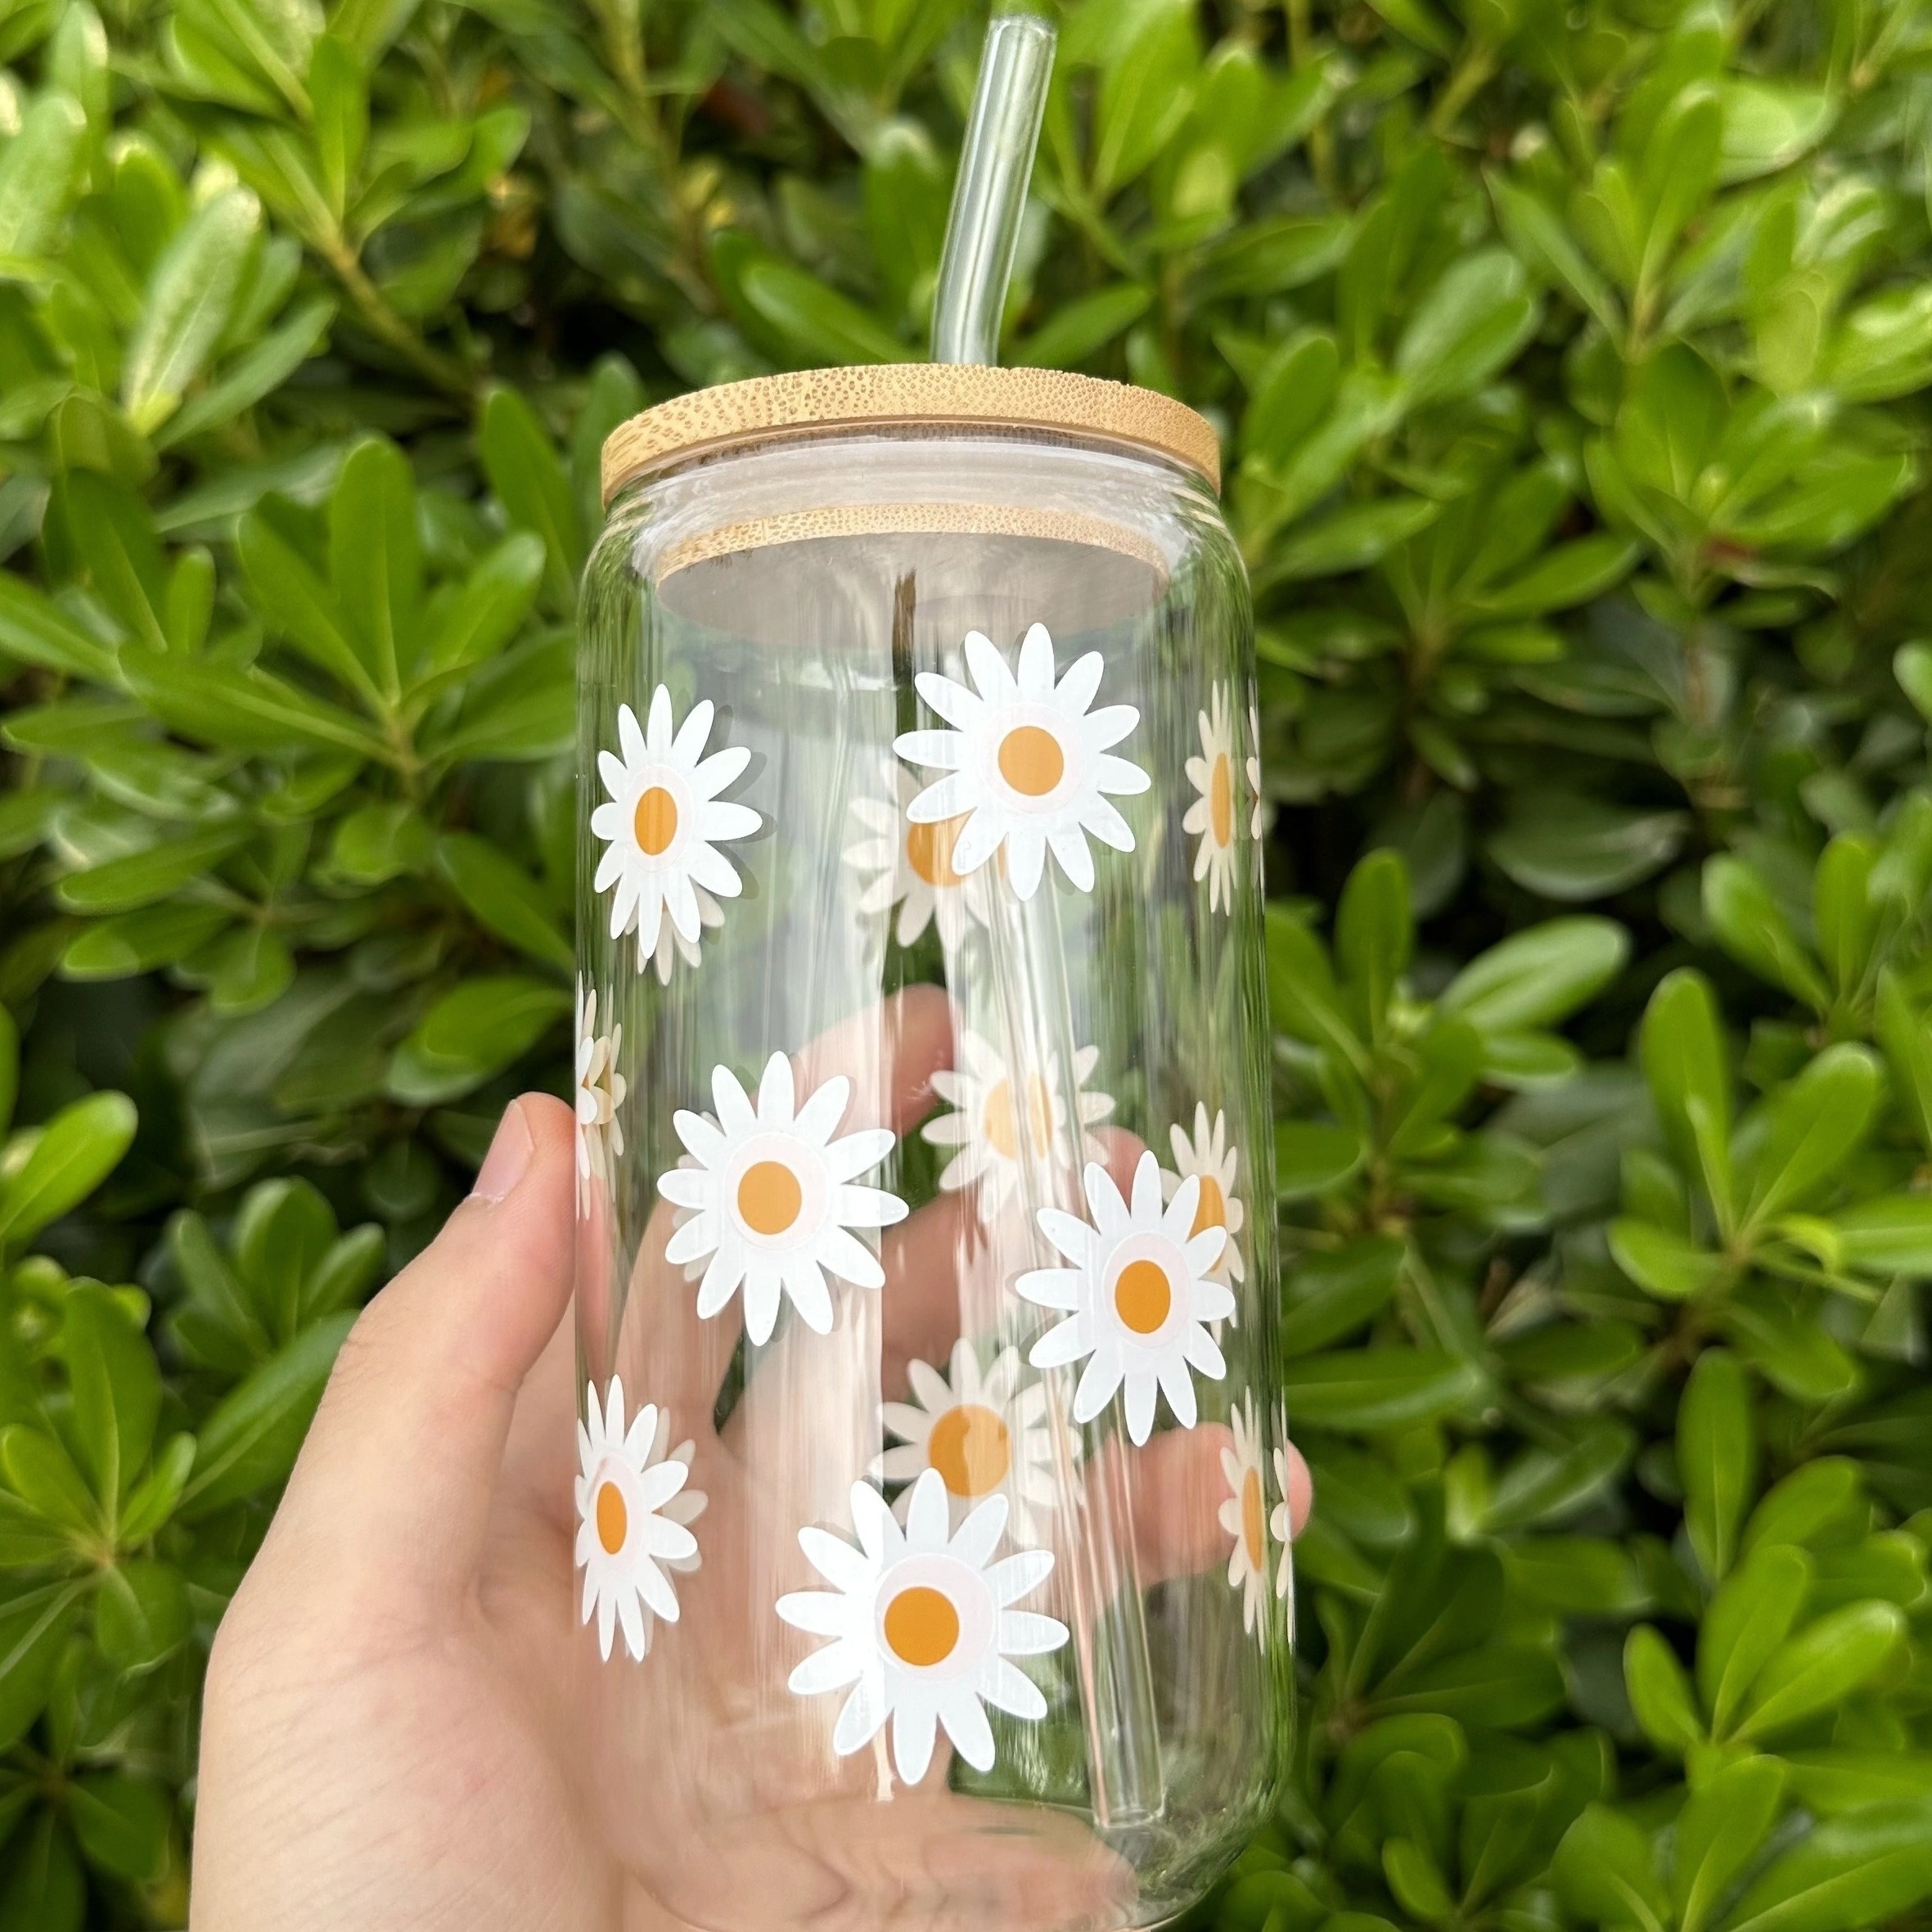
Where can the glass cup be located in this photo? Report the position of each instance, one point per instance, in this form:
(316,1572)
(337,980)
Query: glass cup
(931,1479)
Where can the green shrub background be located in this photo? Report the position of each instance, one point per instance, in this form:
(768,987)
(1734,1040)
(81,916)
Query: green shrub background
(1569,360)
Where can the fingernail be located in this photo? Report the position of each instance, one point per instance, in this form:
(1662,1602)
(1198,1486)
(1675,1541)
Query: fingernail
(509,1154)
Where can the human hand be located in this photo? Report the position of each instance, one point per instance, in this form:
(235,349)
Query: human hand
(401,1708)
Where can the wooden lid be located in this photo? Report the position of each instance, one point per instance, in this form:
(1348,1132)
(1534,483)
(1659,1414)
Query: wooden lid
(807,402)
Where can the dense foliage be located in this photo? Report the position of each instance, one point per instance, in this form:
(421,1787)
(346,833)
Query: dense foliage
(1568,362)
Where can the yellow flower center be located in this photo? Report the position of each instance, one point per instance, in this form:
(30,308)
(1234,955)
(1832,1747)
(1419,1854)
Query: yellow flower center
(1251,1517)
(655,822)
(929,851)
(1143,1296)
(769,1197)
(921,1626)
(1212,1209)
(1031,761)
(613,1519)
(970,1449)
(1221,800)
(1000,1119)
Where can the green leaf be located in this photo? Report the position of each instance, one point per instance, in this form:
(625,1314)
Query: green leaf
(375,559)
(1824,1664)
(532,486)
(1377,1388)
(1667,1263)
(1076,332)
(164,869)
(1659,1692)
(1374,932)
(77,1151)
(1604,1873)
(1312,1159)
(254,375)
(1751,927)
(1751,1616)
(1717,1452)
(503,898)
(191,298)
(115,1387)
(1566,847)
(39,171)
(490,608)
(141,1614)
(1723,1822)
(1684,1063)
(122,1822)
(1332,1295)
(1890,1234)
(248,1443)
(249,710)
(1812,1129)
(297,604)
(1468,327)
(44,1888)
(473,1031)
(1537,977)
(1864,1869)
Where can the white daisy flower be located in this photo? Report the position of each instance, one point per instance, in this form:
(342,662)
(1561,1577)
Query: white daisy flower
(1280,1524)
(1243,1516)
(983,1433)
(663,823)
(910,866)
(1257,816)
(1208,1159)
(671,945)
(1212,813)
(922,1626)
(1027,764)
(775,1198)
(601,1089)
(994,1132)
(1136,1297)
(633,1510)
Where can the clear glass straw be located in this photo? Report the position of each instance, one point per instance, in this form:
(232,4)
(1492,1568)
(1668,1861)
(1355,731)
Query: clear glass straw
(1125,1783)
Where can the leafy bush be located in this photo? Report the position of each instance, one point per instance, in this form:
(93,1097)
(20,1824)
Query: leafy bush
(1570,363)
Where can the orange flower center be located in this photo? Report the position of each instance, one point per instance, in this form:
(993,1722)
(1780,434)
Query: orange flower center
(655,822)
(1221,800)
(970,1449)
(1001,1118)
(769,1197)
(1031,761)
(921,1626)
(1251,1517)
(1143,1296)
(929,851)
(1211,1210)
(614,1519)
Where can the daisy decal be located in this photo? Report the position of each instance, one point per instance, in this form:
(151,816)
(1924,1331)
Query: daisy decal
(671,945)
(1212,813)
(1244,1515)
(662,824)
(1136,1297)
(1208,1159)
(1279,1524)
(601,1089)
(910,866)
(994,1126)
(982,1434)
(1259,811)
(922,1626)
(775,1198)
(633,1510)
(1026,764)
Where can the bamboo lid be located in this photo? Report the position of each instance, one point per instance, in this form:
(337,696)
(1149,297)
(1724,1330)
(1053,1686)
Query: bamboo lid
(807,402)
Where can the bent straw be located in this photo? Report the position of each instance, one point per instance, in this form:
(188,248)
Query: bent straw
(1031,993)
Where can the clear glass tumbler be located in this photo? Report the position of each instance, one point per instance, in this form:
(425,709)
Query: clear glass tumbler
(930,1475)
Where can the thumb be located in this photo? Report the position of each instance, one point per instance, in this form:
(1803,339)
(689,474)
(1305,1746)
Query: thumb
(393,1487)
